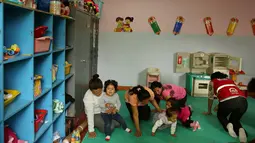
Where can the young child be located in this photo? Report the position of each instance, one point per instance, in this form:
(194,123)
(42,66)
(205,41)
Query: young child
(166,119)
(110,106)
(167,91)
(184,114)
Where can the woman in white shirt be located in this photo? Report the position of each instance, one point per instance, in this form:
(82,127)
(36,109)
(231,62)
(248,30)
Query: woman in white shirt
(92,108)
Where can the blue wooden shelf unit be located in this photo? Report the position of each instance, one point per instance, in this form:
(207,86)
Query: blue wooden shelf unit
(17,26)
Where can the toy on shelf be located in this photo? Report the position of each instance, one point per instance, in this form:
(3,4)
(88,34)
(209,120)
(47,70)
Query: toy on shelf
(54,72)
(65,10)
(58,106)
(39,118)
(253,26)
(41,43)
(178,25)
(56,137)
(11,52)
(55,7)
(96,9)
(208,25)
(40,31)
(232,26)
(70,138)
(120,23)
(199,62)
(67,68)
(154,25)
(89,6)
(234,74)
(126,26)
(37,85)
(9,96)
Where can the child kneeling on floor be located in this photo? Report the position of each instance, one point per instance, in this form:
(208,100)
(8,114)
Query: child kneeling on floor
(110,106)
(164,120)
(184,114)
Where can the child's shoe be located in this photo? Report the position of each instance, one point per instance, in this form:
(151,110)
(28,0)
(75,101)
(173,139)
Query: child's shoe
(195,125)
(107,138)
(128,130)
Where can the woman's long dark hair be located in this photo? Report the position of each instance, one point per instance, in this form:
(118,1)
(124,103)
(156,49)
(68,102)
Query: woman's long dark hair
(142,94)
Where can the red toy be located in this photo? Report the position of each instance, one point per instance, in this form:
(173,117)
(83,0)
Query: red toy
(253,26)
(96,9)
(65,10)
(40,31)
(208,25)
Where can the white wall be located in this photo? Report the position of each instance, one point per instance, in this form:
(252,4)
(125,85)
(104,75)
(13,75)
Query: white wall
(125,56)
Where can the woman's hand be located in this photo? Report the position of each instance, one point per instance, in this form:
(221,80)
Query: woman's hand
(109,111)
(173,135)
(207,113)
(92,134)
(138,133)
(152,134)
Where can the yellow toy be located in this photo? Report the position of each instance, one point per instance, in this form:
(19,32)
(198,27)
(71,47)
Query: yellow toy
(12,51)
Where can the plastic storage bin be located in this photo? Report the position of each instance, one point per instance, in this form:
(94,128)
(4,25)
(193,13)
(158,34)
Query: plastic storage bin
(14,94)
(37,85)
(68,68)
(42,44)
(40,115)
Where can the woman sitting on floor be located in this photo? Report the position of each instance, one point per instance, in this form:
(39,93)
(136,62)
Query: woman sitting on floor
(167,91)
(232,101)
(137,99)
(92,108)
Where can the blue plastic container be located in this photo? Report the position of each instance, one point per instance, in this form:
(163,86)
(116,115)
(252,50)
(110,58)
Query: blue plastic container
(43,5)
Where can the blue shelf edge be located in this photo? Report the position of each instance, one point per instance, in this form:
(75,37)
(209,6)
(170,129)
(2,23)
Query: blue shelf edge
(56,83)
(58,50)
(18,58)
(43,129)
(42,54)
(69,48)
(69,76)
(67,105)
(44,91)
(15,107)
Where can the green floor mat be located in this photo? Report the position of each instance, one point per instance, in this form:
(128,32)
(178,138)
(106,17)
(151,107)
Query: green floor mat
(211,130)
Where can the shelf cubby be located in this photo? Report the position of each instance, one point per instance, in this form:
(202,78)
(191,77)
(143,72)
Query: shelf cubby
(59,59)
(22,123)
(59,124)
(44,103)
(1,94)
(70,34)
(42,19)
(47,136)
(59,93)
(18,29)
(43,66)
(59,27)
(1,29)
(19,76)
(69,58)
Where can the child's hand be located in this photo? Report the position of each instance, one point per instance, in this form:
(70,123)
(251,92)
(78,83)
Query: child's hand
(114,111)
(174,135)
(152,134)
(109,111)
(107,105)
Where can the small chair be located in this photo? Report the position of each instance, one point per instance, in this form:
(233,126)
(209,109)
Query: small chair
(153,74)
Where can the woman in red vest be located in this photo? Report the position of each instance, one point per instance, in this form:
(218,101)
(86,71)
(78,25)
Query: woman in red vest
(232,101)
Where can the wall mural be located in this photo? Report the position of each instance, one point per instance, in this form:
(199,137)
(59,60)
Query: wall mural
(124,26)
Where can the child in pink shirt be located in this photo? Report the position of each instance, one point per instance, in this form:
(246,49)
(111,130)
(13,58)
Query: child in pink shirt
(167,91)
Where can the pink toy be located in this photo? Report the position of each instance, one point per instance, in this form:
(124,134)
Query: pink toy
(65,10)
(96,9)
(195,125)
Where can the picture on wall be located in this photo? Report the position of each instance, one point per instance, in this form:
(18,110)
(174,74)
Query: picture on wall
(208,26)
(124,26)
(232,26)
(178,25)
(253,26)
(154,25)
